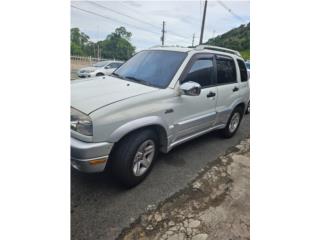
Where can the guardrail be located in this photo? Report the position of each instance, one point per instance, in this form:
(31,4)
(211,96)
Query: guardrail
(87,59)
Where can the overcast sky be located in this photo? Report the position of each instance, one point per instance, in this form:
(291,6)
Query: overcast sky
(144,19)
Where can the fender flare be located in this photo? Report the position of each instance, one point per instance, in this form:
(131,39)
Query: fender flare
(136,124)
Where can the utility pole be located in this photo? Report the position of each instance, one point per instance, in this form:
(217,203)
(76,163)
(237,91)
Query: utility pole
(203,21)
(98,52)
(193,39)
(163,31)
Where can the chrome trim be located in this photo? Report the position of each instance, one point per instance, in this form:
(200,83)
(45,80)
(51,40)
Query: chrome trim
(196,119)
(190,88)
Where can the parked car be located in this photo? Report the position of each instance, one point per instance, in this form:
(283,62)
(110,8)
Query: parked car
(99,69)
(158,99)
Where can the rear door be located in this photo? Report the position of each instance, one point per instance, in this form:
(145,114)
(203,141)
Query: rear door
(244,77)
(227,86)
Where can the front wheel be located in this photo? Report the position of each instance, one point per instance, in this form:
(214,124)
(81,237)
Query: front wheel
(99,74)
(233,123)
(133,157)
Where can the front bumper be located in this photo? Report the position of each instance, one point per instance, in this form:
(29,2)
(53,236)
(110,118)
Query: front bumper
(83,75)
(89,157)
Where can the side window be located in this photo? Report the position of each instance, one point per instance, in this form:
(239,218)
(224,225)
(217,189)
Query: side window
(226,70)
(201,72)
(112,65)
(243,70)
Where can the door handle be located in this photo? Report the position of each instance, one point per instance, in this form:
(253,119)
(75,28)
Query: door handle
(211,94)
(235,89)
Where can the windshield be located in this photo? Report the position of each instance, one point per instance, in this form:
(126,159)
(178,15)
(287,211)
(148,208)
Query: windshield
(152,67)
(100,64)
(248,65)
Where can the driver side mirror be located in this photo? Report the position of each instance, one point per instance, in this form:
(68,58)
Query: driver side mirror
(190,88)
(106,67)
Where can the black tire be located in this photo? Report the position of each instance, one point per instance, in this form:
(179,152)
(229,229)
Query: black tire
(99,74)
(123,155)
(248,108)
(226,132)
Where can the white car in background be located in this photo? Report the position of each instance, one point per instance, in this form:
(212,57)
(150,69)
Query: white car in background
(99,69)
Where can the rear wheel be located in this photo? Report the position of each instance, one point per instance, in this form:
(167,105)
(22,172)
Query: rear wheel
(248,108)
(233,123)
(133,157)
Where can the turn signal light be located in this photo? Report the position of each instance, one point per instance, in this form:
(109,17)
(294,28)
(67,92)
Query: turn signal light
(97,161)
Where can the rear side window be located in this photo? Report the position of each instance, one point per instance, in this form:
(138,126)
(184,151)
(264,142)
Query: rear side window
(243,70)
(226,70)
(201,72)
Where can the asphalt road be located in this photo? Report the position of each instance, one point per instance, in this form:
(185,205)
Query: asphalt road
(100,208)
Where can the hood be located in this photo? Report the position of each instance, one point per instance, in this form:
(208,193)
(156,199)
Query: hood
(89,94)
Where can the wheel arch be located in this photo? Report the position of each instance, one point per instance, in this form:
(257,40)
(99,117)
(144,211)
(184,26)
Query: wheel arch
(242,105)
(153,122)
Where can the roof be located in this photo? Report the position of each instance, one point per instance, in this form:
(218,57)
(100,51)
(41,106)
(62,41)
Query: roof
(171,48)
(200,48)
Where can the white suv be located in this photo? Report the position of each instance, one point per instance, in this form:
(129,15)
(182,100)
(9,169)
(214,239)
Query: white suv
(158,99)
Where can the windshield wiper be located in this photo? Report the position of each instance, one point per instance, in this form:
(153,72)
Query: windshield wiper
(138,80)
(117,75)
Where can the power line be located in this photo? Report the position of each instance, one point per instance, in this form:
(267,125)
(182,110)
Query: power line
(123,14)
(102,16)
(176,34)
(108,18)
(230,11)
(134,18)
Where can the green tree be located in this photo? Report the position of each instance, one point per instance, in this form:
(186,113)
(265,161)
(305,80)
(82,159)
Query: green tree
(76,49)
(79,37)
(80,42)
(122,33)
(237,39)
(117,45)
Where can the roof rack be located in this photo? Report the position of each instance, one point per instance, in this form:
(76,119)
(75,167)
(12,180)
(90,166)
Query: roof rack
(165,46)
(227,50)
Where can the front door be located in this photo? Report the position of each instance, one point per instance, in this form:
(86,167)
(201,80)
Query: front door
(194,114)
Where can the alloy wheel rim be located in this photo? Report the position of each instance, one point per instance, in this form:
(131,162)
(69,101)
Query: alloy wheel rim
(143,157)
(234,122)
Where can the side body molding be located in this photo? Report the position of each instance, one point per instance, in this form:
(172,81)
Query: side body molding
(136,124)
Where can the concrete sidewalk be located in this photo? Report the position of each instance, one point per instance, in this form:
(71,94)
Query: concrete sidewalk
(214,206)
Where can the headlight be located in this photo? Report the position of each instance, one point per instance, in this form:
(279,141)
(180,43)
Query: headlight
(81,122)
